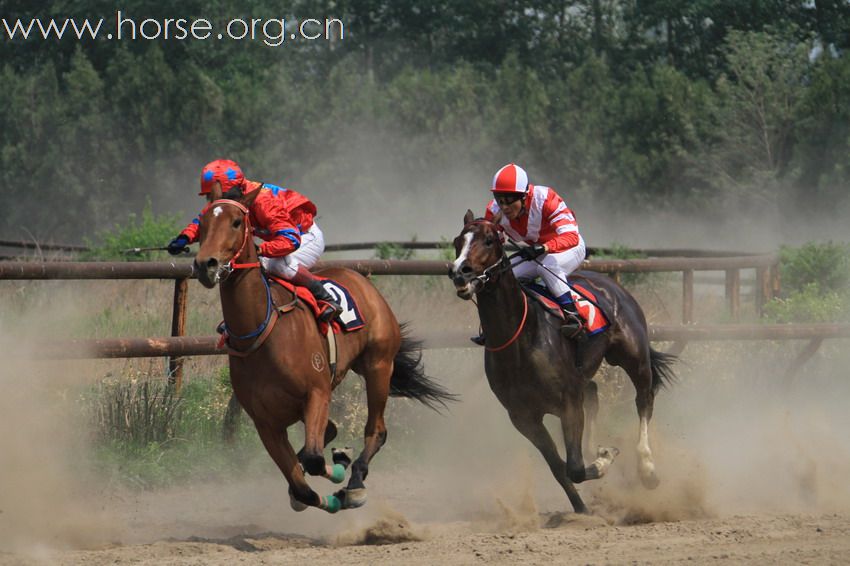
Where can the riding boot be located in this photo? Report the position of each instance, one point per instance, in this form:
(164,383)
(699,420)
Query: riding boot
(304,278)
(333,308)
(573,326)
(478,340)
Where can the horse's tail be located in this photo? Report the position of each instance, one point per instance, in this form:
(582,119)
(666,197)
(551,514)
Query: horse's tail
(662,369)
(409,379)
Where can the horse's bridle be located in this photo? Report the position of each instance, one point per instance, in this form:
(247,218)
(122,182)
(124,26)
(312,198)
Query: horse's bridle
(500,266)
(262,332)
(231,266)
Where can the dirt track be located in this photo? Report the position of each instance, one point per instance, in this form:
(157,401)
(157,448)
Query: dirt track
(553,538)
(747,477)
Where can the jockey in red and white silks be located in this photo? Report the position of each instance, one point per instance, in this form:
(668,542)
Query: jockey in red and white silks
(538,216)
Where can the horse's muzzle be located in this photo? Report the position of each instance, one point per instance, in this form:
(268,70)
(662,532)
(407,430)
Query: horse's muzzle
(466,283)
(208,271)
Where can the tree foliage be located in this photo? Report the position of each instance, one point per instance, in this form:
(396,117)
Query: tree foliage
(637,103)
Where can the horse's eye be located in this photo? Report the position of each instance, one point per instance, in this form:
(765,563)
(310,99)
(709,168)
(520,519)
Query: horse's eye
(237,223)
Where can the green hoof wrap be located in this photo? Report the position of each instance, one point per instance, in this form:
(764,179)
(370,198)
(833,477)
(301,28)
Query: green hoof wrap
(337,474)
(331,503)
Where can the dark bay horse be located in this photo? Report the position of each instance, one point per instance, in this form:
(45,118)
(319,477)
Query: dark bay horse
(532,369)
(280,363)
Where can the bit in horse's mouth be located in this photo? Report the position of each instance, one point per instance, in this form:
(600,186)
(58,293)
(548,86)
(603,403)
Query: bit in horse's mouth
(466,292)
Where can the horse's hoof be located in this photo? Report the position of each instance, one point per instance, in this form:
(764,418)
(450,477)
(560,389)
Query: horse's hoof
(295,504)
(337,473)
(352,498)
(330,503)
(650,481)
(611,452)
(342,456)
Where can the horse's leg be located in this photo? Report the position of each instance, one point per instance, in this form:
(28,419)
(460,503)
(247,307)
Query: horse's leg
(377,376)
(335,473)
(572,425)
(276,441)
(641,375)
(316,434)
(532,428)
(591,409)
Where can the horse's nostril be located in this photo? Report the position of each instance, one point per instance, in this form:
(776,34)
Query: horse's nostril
(212,263)
(465,269)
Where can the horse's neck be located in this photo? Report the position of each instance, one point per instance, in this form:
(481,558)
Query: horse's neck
(501,309)
(244,302)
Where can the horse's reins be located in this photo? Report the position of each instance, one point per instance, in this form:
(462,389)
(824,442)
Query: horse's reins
(265,329)
(502,265)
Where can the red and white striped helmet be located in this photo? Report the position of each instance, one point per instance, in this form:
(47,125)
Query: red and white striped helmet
(510,179)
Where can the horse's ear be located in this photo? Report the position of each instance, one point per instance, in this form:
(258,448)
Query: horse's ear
(249,198)
(468,217)
(215,192)
(497,218)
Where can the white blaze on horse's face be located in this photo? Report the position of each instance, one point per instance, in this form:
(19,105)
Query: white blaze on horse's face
(467,290)
(217,211)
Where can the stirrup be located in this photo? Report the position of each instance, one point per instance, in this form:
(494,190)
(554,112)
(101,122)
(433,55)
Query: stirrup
(477,340)
(573,329)
(330,311)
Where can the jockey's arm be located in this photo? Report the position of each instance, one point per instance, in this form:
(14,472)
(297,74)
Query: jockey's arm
(283,236)
(192,229)
(563,224)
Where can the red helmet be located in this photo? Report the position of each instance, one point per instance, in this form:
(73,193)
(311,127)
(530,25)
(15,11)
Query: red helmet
(510,179)
(225,171)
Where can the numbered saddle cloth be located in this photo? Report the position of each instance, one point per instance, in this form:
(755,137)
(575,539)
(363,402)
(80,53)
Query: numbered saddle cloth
(349,318)
(588,308)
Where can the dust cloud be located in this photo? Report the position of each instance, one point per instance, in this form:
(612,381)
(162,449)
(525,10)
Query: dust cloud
(47,498)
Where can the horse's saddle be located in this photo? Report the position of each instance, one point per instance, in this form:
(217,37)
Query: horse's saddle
(593,317)
(348,320)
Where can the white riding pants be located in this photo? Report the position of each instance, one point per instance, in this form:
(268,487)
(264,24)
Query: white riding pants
(307,254)
(553,268)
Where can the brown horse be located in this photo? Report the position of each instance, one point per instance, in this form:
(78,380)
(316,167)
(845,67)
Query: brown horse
(532,369)
(280,365)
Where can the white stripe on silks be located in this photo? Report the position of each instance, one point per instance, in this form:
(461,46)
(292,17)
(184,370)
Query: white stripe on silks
(535,213)
(565,229)
(567,217)
(509,230)
(561,206)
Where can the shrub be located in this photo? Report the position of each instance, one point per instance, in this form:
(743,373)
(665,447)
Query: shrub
(827,265)
(815,286)
(389,250)
(147,232)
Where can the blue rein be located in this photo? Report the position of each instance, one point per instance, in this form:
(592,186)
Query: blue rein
(264,324)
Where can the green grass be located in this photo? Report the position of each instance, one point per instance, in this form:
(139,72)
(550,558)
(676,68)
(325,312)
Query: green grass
(146,435)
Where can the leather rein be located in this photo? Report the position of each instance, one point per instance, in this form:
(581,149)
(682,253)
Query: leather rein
(501,265)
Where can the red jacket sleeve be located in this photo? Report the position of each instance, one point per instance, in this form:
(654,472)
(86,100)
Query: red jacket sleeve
(191,231)
(562,223)
(273,223)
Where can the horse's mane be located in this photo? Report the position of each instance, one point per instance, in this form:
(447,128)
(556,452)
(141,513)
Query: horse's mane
(234,193)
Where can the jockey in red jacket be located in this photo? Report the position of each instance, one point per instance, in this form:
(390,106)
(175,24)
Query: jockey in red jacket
(281,217)
(538,216)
